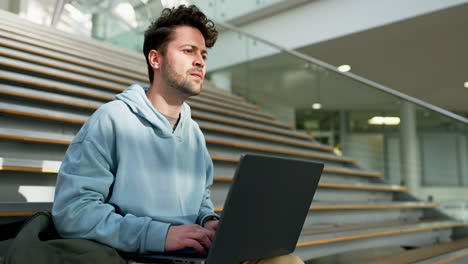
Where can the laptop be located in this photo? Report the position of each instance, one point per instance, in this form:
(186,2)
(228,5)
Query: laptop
(263,215)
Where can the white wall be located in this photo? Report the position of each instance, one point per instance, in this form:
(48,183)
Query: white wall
(439,159)
(441,194)
(5,5)
(368,149)
(443,159)
(393,159)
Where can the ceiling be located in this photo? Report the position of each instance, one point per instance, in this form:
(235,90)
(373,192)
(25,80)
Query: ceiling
(425,57)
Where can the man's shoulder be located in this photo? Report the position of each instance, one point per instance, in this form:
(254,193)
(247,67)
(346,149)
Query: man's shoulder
(197,132)
(102,120)
(113,107)
(195,127)
(113,110)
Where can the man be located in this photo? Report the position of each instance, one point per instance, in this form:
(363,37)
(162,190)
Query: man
(137,175)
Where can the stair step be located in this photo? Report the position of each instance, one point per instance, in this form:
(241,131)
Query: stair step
(54,138)
(56,86)
(12,168)
(313,246)
(35,136)
(41,113)
(458,257)
(424,255)
(52,166)
(40,65)
(371,187)
(370,206)
(48,97)
(326,192)
(223,93)
(230,107)
(232,99)
(59,65)
(62,75)
(99,95)
(217,146)
(327,169)
(12,40)
(76,50)
(227,98)
(210,127)
(49,32)
(308,239)
(23,209)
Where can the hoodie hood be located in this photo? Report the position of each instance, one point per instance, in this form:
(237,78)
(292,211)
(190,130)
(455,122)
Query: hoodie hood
(135,97)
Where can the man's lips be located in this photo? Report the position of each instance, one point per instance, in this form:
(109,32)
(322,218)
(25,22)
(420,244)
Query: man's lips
(198,75)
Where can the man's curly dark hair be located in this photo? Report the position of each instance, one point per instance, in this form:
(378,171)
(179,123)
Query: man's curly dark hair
(159,33)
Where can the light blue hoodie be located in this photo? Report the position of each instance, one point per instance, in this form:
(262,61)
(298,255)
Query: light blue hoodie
(127,176)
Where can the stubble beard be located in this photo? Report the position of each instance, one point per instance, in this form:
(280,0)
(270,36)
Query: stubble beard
(180,83)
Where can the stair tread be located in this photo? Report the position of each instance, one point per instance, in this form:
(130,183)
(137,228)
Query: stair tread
(36,134)
(315,239)
(56,85)
(84,51)
(77,118)
(57,73)
(424,253)
(370,186)
(111,85)
(41,48)
(17,20)
(328,168)
(320,205)
(60,65)
(48,137)
(54,165)
(108,96)
(55,62)
(263,147)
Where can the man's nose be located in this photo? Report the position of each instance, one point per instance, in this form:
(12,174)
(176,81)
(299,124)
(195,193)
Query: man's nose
(198,62)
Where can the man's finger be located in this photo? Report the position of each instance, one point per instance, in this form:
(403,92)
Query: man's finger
(196,245)
(206,231)
(202,237)
(210,233)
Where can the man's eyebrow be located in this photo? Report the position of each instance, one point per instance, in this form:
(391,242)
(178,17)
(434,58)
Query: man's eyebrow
(204,51)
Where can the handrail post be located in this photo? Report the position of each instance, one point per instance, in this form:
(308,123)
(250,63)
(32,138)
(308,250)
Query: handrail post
(58,10)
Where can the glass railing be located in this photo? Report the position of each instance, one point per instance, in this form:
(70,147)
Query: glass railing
(409,141)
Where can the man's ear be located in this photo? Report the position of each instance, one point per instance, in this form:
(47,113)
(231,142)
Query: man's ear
(153,58)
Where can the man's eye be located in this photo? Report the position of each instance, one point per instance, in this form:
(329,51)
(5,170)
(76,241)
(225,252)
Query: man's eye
(204,57)
(188,50)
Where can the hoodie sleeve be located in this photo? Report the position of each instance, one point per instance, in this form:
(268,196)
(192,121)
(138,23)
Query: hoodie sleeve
(207,208)
(80,209)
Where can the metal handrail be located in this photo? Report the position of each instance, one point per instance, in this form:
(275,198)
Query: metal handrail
(351,75)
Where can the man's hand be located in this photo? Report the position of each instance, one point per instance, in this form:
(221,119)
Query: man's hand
(192,236)
(212,225)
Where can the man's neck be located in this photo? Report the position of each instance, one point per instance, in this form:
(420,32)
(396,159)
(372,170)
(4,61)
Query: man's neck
(166,102)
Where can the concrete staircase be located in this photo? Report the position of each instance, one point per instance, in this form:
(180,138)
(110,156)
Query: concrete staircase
(51,82)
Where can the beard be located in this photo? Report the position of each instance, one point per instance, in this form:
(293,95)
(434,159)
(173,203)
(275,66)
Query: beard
(182,84)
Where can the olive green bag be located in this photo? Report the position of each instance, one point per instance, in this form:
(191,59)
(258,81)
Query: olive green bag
(38,242)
